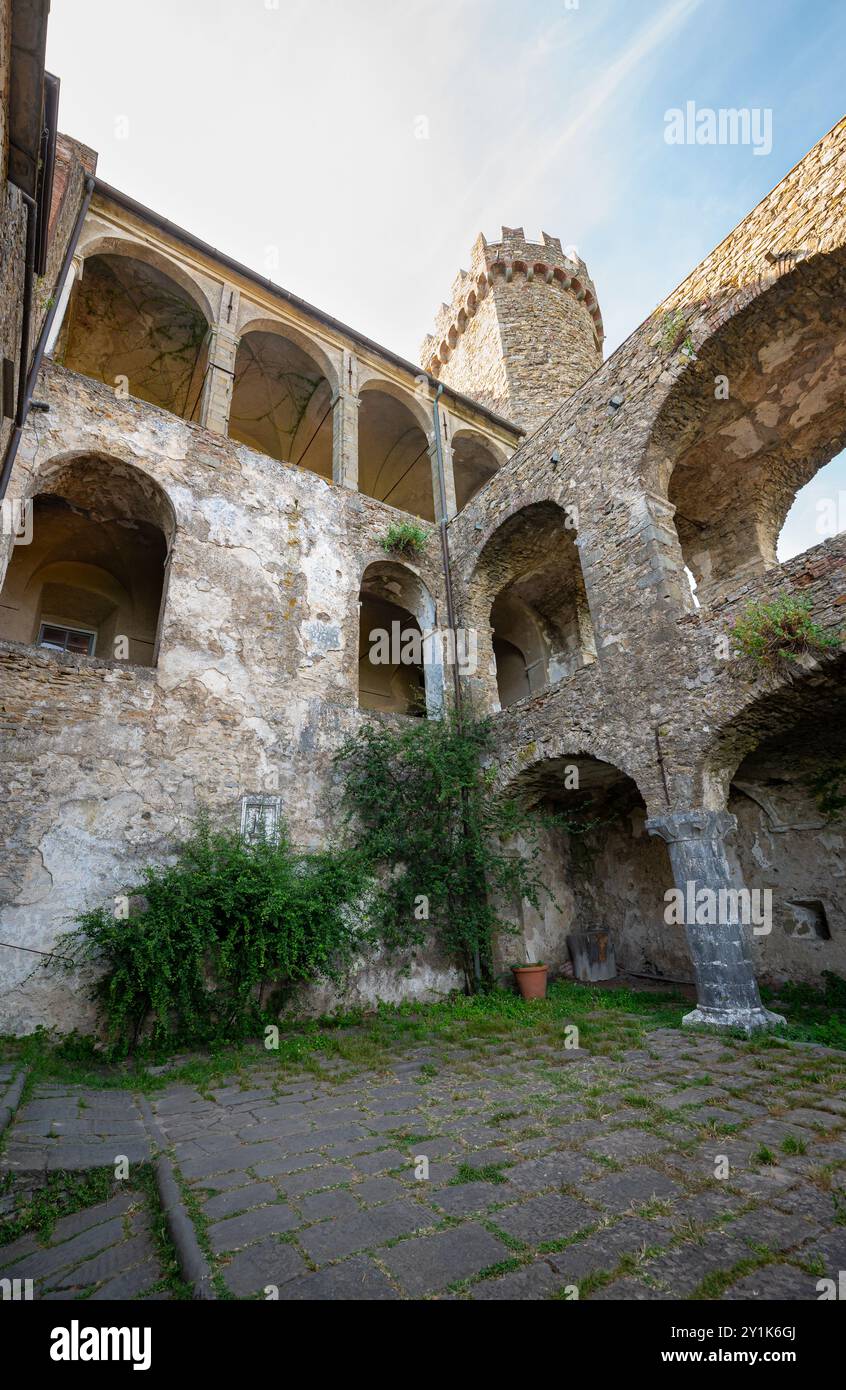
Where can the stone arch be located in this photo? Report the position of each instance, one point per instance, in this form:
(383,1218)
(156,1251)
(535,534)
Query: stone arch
(138,322)
(420,409)
(93,580)
(475,460)
(403,672)
(100,245)
(777,764)
(393,448)
(258,323)
(750,421)
(283,392)
(764,710)
(528,577)
(601,865)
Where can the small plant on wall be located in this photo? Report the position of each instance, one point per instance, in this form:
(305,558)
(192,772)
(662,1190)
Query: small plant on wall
(674,333)
(404,538)
(829,789)
(774,636)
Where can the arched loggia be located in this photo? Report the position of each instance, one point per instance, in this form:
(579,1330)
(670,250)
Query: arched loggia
(282,401)
(393,452)
(135,327)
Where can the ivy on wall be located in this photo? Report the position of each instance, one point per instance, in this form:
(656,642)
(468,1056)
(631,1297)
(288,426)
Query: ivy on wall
(424,815)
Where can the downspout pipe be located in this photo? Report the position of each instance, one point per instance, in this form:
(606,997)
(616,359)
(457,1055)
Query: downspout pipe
(26,308)
(450,603)
(28,378)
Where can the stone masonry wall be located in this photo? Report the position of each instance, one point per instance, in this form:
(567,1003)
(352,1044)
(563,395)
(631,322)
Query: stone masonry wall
(523,328)
(255,685)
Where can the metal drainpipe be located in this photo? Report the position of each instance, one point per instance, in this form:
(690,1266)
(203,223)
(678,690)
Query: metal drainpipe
(439,453)
(28,378)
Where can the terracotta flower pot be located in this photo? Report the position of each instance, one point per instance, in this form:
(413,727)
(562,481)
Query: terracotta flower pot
(531,980)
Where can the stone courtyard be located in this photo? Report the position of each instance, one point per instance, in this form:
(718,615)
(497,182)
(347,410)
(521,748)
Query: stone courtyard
(552,1174)
(217,500)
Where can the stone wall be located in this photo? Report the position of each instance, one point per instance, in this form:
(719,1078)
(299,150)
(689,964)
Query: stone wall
(12,225)
(255,685)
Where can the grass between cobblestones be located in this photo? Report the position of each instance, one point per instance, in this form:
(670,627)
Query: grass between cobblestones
(609,1021)
(638,1101)
(37,1209)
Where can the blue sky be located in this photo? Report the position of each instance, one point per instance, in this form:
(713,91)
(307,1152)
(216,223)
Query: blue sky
(286,132)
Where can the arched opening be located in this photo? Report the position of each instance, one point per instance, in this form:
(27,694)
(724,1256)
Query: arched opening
(473,462)
(751,422)
(400,667)
(530,578)
(784,759)
(135,328)
(393,454)
(520,652)
(818,512)
(282,402)
(605,872)
(92,580)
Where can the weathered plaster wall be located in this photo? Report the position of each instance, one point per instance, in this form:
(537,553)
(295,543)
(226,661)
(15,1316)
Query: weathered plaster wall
(256,683)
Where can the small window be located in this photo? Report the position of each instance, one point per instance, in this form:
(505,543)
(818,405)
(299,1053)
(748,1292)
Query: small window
(67,639)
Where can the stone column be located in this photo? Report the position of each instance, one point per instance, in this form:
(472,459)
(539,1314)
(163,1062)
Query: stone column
(74,274)
(449,479)
(345,406)
(725,979)
(216,398)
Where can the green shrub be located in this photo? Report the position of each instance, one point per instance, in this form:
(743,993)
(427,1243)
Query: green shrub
(829,789)
(227,931)
(404,538)
(776,634)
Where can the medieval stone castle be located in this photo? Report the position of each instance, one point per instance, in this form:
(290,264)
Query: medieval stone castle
(200,469)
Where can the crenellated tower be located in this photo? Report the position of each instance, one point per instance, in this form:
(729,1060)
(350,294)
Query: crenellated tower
(523,329)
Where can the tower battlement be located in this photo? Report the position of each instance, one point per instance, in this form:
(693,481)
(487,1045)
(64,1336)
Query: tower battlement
(531,304)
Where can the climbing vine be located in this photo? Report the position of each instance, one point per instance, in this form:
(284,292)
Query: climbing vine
(454,858)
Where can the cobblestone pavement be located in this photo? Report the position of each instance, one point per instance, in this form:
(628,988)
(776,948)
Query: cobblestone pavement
(103,1252)
(484,1173)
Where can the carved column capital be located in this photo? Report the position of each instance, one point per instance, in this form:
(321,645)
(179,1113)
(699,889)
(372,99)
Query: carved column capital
(676,827)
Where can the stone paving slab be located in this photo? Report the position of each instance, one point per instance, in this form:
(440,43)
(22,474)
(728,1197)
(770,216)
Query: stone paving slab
(309,1186)
(428,1263)
(105,1251)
